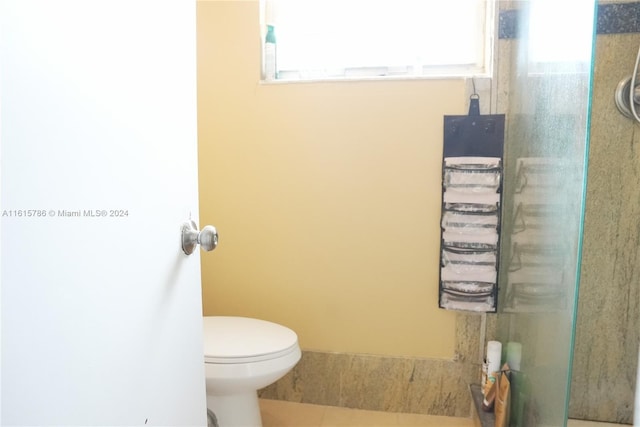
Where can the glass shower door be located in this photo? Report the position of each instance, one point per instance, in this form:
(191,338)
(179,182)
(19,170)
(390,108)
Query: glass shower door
(546,151)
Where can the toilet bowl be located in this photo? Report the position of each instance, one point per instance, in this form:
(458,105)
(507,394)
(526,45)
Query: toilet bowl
(241,356)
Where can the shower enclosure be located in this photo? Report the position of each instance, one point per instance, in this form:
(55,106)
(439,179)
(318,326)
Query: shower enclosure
(546,153)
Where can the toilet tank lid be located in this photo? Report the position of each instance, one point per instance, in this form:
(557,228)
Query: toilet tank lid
(236,337)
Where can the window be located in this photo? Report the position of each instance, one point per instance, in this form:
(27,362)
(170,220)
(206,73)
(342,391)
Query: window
(324,39)
(551,41)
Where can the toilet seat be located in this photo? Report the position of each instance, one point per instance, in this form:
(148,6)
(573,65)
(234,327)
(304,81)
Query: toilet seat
(234,340)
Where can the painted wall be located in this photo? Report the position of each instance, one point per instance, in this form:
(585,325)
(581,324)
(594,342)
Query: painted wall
(326,197)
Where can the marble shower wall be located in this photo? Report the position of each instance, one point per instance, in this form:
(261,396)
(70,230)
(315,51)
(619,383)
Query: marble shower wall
(606,345)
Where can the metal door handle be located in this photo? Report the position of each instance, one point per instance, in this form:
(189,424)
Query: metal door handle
(207,238)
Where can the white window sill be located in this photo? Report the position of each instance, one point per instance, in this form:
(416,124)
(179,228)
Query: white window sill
(360,79)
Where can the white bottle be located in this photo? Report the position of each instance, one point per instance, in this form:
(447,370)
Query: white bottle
(494,354)
(270,67)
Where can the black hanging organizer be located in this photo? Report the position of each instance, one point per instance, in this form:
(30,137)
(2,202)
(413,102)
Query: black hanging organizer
(472,170)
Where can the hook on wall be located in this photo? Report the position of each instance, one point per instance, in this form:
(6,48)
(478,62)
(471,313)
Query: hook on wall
(474,100)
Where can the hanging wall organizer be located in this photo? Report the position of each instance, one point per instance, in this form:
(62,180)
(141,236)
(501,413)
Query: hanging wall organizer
(471,200)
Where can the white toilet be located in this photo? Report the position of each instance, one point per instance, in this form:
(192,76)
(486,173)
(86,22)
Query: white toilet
(241,356)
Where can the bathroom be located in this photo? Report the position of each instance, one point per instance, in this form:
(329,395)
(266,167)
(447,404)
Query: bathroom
(327,197)
(336,217)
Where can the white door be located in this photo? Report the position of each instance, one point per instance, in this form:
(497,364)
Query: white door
(101,309)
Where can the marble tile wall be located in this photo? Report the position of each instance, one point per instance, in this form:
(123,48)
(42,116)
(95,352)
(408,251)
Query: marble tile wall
(606,345)
(393,384)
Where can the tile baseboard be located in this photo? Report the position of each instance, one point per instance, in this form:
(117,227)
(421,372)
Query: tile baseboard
(385,383)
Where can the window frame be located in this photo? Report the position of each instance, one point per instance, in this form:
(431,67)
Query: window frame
(392,73)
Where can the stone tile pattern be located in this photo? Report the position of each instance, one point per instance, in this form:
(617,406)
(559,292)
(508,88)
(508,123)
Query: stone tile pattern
(508,24)
(616,18)
(392,384)
(606,345)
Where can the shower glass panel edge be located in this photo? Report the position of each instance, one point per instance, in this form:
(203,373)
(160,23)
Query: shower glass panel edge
(546,151)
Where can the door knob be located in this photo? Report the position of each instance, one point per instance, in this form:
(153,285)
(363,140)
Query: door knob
(207,238)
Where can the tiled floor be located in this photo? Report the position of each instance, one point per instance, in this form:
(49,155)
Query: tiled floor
(580,423)
(278,413)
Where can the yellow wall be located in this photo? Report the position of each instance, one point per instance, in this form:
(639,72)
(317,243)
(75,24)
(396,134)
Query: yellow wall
(326,197)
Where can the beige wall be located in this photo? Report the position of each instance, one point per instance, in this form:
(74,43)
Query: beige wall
(326,197)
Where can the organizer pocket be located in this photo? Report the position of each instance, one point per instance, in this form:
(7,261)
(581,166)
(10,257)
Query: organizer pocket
(468,180)
(469,288)
(469,260)
(472,174)
(448,274)
(471,203)
(473,163)
(470,241)
(456,300)
(470,222)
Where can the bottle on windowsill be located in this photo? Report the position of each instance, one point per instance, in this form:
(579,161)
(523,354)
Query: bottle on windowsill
(270,64)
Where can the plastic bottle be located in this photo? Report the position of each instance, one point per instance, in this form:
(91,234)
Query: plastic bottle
(270,64)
